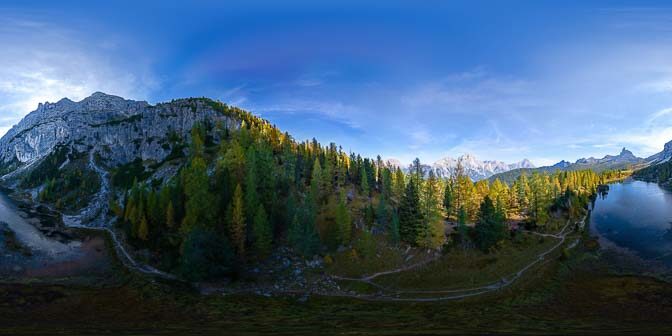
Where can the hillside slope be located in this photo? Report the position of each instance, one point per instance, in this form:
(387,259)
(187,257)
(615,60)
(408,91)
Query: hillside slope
(624,160)
(58,147)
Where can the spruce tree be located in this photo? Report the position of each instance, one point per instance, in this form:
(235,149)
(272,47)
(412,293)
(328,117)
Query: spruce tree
(369,215)
(448,199)
(393,232)
(490,227)
(170,215)
(143,229)
(237,226)
(410,216)
(364,184)
(343,220)
(462,227)
(200,204)
(262,232)
(316,181)
(382,216)
(302,234)
(432,234)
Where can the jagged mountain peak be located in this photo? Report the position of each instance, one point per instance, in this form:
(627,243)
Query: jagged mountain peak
(475,168)
(562,164)
(122,129)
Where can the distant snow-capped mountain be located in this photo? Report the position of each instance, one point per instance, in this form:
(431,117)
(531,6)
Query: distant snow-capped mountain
(473,167)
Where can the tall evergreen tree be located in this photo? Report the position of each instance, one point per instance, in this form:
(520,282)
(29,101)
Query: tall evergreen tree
(251,196)
(302,234)
(382,215)
(316,181)
(343,220)
(364,184)
(490,227)
(237,224)
(448,199)
(262,232)
(462,227)
(200,203)
(432,233)
(170,215)
(410,216)
(393,231)
(143,229)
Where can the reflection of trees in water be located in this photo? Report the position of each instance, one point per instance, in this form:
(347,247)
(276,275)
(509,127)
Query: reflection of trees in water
(603,190)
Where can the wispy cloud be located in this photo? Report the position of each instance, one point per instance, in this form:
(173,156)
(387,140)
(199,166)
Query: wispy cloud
(47,62)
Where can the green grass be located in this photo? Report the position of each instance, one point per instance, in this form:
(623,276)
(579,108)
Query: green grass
(350,263)
(464,268)
(574,296)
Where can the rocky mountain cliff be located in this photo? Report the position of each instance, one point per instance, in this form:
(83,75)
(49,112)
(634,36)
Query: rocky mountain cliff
(661,157)
(119,130)
(85,141)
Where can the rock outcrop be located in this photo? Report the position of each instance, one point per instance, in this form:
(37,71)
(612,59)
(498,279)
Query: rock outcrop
(120,130)
(661,157)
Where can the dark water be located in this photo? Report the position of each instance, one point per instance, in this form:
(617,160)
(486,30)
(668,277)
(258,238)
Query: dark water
(636,216)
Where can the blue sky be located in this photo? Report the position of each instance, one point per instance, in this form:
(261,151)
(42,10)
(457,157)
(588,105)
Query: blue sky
(501,80)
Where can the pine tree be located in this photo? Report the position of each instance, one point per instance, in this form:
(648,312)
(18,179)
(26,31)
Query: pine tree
(343,220)
(490,226)
(523,194)
(448,199)
(394,229)
(251,197)
(462,227)
(262,232)
(143,229)
(364,184)
(234,161)
(399,185)
(316,181)
(170,215)
(432,234)
(382,216)
(410,216)
(302,234)
(369,215)
(200,204)
(237,222)
(386,183)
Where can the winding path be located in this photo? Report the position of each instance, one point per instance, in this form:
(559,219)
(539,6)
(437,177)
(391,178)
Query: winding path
(94,217)
(455,293)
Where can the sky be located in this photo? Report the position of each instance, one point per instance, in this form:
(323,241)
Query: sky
(403,79)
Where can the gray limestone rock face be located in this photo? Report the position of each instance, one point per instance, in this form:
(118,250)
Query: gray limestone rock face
(119,130)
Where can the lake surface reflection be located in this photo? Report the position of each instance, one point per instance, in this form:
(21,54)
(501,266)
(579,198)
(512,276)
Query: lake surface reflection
(637,216)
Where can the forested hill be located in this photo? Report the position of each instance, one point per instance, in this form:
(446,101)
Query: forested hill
(625,160)
(201,189)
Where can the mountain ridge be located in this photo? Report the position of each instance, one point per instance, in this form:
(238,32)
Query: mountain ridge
(473,167)
(624,160)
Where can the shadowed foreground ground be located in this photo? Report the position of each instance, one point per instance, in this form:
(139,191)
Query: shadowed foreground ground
(581,295)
